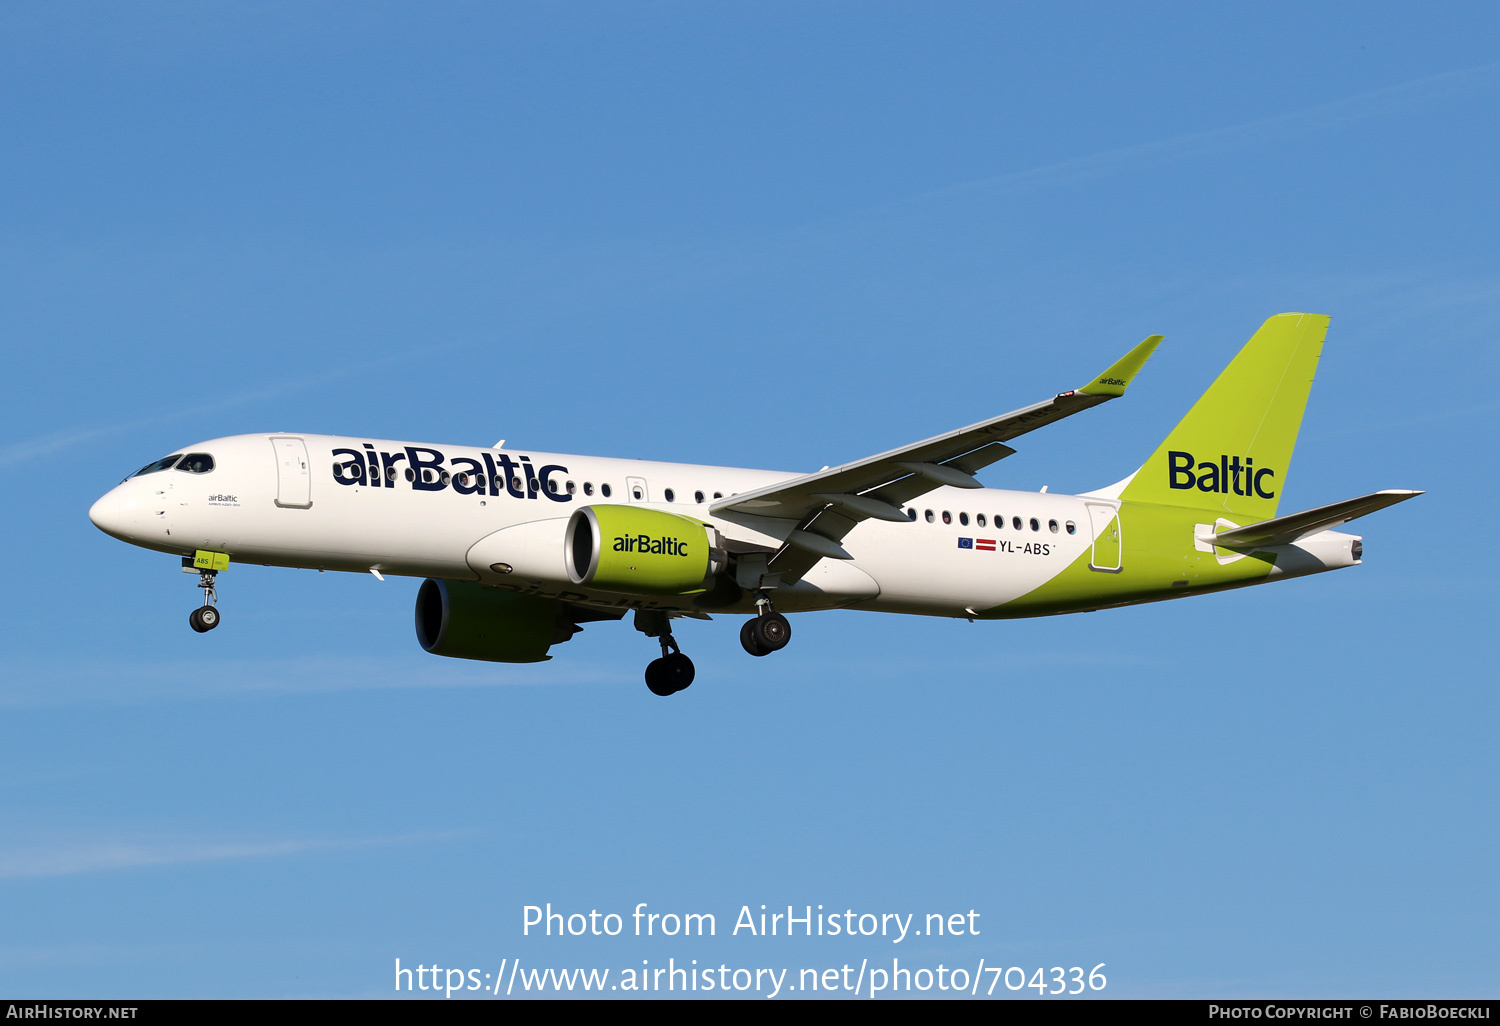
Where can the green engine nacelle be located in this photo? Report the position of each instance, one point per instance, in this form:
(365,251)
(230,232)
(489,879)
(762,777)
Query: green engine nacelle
(635,550)
(469,621)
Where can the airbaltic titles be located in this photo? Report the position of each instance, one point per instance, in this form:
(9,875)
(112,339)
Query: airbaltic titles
(491,474)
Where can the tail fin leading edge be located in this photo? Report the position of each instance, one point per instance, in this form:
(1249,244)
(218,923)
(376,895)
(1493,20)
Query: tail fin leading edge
(1231,452)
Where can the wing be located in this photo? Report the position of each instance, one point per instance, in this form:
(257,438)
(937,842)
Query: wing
(827,505)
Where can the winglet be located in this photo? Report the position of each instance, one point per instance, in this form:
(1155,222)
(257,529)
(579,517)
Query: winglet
(1113,381)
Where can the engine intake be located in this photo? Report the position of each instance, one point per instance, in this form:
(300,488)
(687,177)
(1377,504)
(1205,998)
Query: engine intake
(469,621)
(635,550)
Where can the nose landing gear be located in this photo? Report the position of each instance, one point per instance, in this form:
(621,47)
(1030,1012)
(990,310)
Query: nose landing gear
(206,617)
(673,672)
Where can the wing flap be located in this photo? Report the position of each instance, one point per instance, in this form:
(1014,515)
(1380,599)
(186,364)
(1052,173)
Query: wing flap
(974,462)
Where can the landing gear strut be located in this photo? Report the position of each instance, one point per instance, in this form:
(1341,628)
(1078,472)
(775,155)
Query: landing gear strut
(766,632)
(206,617)
(674,671)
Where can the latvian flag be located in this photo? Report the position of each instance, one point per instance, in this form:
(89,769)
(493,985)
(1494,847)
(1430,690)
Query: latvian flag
(984,544)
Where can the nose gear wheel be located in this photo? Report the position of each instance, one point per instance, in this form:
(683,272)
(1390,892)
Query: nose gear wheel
(206,617)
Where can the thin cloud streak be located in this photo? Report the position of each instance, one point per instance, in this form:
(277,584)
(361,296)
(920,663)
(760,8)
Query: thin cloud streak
(1274,129)
(116,683)
(691,264)
(47,445)
(74,858)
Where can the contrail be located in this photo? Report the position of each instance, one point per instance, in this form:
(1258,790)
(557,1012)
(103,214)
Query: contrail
(1276,128)
(69,859)
(46,445)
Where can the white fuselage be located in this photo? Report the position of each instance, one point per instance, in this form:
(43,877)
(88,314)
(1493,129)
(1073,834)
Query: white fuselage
(511,508)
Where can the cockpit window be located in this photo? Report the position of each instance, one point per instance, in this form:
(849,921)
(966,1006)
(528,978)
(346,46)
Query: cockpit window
(196,463)
(161,464)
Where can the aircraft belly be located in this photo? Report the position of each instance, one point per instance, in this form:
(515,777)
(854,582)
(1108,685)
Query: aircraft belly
(830,584)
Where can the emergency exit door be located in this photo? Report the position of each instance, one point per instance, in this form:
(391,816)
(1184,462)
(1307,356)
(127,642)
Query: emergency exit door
(293,477)
(1104,521)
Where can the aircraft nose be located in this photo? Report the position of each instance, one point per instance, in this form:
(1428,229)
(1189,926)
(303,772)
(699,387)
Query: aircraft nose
(107,514)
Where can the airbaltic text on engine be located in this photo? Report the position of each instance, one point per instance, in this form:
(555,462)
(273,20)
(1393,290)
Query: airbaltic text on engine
(646,543)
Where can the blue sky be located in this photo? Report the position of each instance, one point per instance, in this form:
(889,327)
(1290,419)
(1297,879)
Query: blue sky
(783,235)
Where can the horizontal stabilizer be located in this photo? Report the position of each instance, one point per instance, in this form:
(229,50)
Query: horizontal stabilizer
(1287,529)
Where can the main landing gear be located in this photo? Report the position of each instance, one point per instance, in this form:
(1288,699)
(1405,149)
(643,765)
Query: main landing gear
(673,672)
(766,632)
(206,617)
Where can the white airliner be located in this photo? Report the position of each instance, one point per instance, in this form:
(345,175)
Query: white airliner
(519,548)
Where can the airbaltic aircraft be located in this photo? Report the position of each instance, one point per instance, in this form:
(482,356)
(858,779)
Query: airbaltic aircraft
(520,548)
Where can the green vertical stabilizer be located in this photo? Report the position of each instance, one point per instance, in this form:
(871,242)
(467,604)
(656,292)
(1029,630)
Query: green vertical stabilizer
(1231,452)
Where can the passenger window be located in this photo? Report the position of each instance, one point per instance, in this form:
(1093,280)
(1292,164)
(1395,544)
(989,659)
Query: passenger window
(671,495)
(410,474)
(1052,526)
(196,463)
(947,517)
(572,488)
(963,518)
(718,495)
(979,519)
(697,496)
(604,490)
(461,481)
(1035,525)
(636,492)
(588,488)
(161,464)
(911,514)
(928,515)
(1015,522)
(1072,527)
